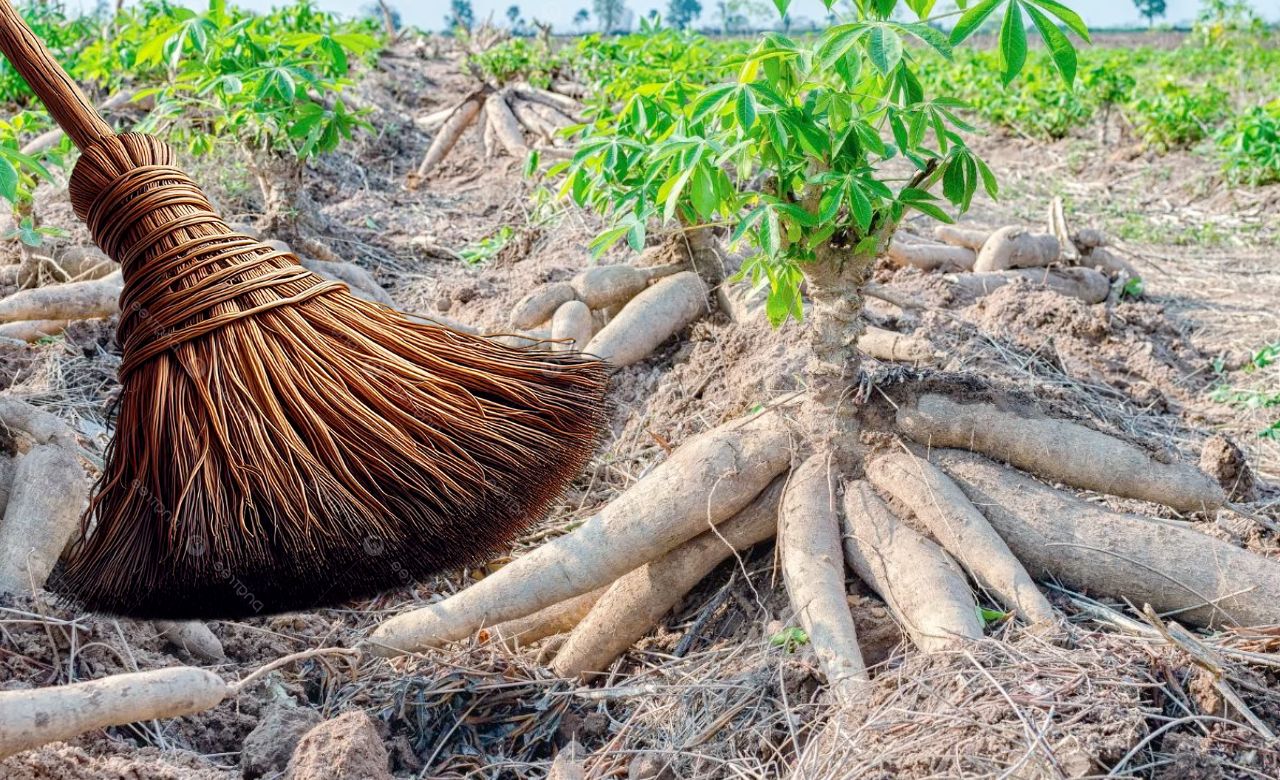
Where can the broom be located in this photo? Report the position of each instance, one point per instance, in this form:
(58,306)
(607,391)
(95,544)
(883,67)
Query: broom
(280,443)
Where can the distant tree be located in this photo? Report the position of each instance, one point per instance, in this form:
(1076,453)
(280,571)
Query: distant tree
(609,14)
(580,19)
(737,16)
(382,11)
(461,14)
(681,13)
(513,14)
(1150,9)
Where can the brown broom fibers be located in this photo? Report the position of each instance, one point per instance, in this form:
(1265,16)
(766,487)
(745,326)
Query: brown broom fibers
(282,444)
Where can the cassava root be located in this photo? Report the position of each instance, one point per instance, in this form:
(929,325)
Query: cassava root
(1086,284)
(812,568)
(1059,451)
(650,318)
(1164,563)
(635,603)
(1016,247)
(32,718)
(703,482)
(961,530)
(931,257)
(71,301)
(922,586)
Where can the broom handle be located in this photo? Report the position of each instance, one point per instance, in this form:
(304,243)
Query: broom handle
(61,96)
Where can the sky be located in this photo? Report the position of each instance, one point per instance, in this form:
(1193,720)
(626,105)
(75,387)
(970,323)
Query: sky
(429,14)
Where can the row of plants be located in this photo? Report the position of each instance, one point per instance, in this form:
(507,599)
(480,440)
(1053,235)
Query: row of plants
(1210,92)
(272,83)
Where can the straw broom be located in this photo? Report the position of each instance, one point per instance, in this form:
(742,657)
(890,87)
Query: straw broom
(280,443)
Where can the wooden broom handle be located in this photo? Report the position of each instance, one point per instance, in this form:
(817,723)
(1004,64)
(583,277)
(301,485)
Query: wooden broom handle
(61,96)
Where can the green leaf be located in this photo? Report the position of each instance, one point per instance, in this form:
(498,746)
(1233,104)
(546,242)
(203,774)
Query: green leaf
(921,7)
(972,19)
(989,182)
(601,243)
(770,234)
(837,42)
(703,193)
(782,6)
(992,616)
(669,193)
(745,109)
(1070,18)
(860,207)
(884,47)
(790,638)
(1064,54)
(710,100)
(1013,42)
(8,180)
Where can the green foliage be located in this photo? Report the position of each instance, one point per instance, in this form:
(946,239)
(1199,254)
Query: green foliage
(1222,23)
(271,81)
(1172,115)
(1250,146)
(1268,397)
(19,173)
(790,639)
(519,59)
(807,152)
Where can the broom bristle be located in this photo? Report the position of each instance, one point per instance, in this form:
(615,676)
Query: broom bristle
(281,444)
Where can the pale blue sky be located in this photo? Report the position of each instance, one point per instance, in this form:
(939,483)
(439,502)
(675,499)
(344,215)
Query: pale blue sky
(430,14)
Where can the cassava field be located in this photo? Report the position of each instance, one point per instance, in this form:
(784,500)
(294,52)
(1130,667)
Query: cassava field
(943,435)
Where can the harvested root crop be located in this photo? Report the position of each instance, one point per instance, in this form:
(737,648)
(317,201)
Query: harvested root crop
(892,346)
(71,301)
(538,306)
(1111,264)
(961,529)
(920,583)
(450,132)
(1084,283)
(560,102)
(357,279)
(652,317)
(704,482)
(959,235)
(1164,563)
(32,718)
(571,326)
(1059,451)
(555,619)
(634,604)
(193,638)
(46,493)
(809,544)
(505,125)
(931,257)
(49,493)
(33,330)
(610,285)
(1017,247)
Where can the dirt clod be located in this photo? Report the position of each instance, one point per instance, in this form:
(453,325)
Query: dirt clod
(268,747)
(1223,460)
(340,749)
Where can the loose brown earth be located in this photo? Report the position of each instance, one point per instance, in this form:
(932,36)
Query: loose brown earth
(708,694)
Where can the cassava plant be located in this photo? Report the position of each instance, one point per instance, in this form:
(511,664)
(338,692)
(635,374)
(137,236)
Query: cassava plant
(272,82)
(807,158)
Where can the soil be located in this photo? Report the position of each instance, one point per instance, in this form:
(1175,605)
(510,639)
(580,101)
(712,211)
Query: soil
(710,693)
